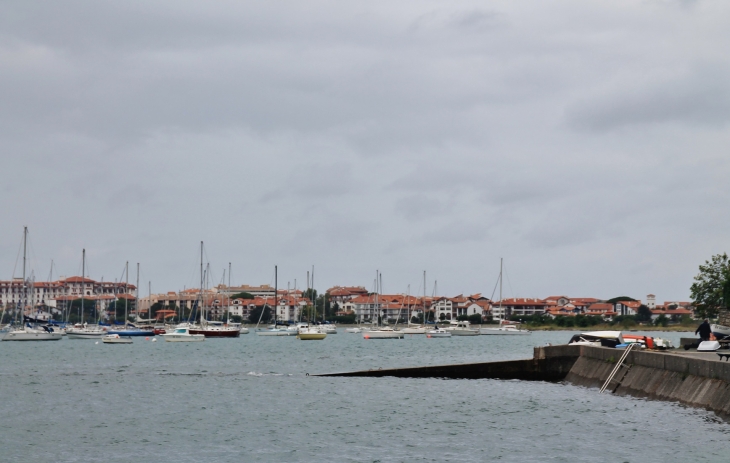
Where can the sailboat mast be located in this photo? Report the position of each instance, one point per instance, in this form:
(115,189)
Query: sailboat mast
(25,285)
(136,294)
(424,297)
(201,284)
(83,282)
(228,308)
(500,289)
(276,291)
(149,300)
(126,289)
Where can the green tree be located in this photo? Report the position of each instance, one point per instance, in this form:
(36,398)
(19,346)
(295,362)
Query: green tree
(711,288)
(661,320)
(243,295)
(643,314)
(475,319)
(253,316)
(614,300)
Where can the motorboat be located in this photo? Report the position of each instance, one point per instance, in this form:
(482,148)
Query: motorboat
(29,333)
(438,333)
(328,328)
(505,328)
(276,332)
(355,329)
(385,332)
(243,330)
(116,339)
(182,334)
(462,328)
(720,331)
(597,338)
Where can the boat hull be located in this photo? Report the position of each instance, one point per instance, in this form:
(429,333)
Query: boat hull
(438,335)
(83,335)
(171,337)
(218,333)
(311,336)
(272,333)
(117,340)
(132,332)
(25,336)
(413,330)
(465,332)
(502,332)
(720,331)
(382,335)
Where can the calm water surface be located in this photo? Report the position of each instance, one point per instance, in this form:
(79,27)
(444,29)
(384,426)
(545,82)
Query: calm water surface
(249,399)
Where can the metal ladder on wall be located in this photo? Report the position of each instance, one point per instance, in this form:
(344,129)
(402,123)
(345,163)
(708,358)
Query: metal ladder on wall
(619,366)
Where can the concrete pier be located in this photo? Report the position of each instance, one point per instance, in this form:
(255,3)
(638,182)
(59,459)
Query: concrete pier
(550,363)
(693,378)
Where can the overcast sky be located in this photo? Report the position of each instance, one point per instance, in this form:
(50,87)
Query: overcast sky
(586,143)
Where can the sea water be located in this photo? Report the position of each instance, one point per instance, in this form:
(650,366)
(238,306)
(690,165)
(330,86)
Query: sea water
(250,399)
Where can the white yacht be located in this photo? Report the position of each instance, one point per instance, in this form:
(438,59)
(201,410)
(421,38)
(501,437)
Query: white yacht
(505,328)
(437,332)
(384,332)
(182,334)
(28,333)
(85,332)
(462,328)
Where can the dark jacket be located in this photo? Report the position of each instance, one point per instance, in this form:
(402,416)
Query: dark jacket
(704,330)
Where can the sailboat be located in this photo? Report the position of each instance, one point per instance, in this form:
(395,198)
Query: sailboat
(274,330)
(505,327)
(382,332)
(82,331)
(417,329)
(129,328)
(30,332)
(211,330)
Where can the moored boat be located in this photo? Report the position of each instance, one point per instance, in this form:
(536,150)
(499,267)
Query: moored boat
(385,332)
(505,328)
(116,339)
(462,328)
(182,334)
(438,333)
(597,338)
(29,333)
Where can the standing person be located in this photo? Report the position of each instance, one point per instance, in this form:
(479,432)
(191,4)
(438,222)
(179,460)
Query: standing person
(704,330)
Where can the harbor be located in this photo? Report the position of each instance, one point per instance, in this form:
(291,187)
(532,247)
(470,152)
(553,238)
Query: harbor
(227,400)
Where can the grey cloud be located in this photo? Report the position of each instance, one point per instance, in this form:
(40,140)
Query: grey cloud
(700,98)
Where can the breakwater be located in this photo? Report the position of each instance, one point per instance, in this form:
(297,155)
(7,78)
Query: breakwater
(549,363)
(691,378)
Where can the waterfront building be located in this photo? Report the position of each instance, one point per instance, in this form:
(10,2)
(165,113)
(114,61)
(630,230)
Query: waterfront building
(518,306)
(53,297)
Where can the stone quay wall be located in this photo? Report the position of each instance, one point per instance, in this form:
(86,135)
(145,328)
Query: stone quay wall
(663,376)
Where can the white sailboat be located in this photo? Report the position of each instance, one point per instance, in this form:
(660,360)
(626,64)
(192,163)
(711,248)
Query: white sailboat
(274,330)
(384,332)
(82,330)
(417,329)
(438,333)
(29,332)
(505,328)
